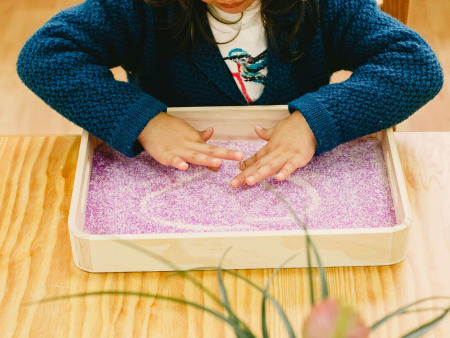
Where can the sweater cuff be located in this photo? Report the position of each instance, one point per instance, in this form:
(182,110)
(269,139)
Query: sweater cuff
(125,136)
(319,119)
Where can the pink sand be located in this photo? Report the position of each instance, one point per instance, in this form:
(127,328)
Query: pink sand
(344,188)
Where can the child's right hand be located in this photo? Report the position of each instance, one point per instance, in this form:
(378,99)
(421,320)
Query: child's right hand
(172,141)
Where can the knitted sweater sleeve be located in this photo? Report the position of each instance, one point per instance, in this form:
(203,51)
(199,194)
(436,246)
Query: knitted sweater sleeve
(394,73)
(67,63)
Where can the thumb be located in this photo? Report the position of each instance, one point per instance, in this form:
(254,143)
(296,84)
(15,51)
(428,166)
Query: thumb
(207,134)
(263,133)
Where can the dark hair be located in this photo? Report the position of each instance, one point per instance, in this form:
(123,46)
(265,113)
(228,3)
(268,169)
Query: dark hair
(282,20)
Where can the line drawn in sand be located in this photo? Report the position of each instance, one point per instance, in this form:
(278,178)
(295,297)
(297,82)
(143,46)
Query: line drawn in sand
(147,202)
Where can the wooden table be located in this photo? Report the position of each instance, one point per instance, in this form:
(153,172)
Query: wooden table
(36,178)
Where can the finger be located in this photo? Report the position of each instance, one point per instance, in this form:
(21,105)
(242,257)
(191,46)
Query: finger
(252,168)
(253,175)
(265,171)
(238,180)
(218,152)
(178,163)
(241,178)
(263,132)
(207,134)
(253,159)
(287,169)
(202,159)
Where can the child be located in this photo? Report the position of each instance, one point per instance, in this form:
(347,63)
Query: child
(230,52)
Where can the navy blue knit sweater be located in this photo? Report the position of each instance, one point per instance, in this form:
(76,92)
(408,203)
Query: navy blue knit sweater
(67,63)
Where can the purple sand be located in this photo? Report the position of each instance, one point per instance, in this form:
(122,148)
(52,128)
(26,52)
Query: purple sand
(342,189)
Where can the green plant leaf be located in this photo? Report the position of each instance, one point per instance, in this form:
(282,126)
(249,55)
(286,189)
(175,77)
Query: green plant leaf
(223,292)
(270,298)
(238,330)
(265,296)
(277,270)
(265,332)
(185,273)
(309,243)
(424,310)
(200,268)
(427,326)
(139,294)
(310,272)
(402,310)
(323,276)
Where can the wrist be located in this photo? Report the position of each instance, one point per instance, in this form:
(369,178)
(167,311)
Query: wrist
(149,125)
(306,128)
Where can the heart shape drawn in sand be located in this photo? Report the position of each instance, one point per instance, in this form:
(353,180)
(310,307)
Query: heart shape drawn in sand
(199,200)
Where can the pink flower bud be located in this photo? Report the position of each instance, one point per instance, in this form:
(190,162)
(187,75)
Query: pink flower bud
(330,319)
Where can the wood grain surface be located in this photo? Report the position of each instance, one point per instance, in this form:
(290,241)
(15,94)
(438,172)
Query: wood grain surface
(397,8)
(36,178)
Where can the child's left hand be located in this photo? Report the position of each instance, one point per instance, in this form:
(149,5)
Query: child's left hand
(291,145)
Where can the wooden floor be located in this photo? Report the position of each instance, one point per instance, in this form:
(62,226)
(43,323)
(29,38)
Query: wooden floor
(21,112)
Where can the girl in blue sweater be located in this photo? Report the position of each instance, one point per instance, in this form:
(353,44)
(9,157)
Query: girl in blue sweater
(230,52)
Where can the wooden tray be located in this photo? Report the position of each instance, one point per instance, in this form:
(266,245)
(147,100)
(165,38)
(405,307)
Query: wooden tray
(249,250)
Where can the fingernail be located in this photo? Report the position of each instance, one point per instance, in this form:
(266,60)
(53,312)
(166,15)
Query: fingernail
(251,180)
(259,128)
(234,182)
(214,168)
(239,154)
(279,176)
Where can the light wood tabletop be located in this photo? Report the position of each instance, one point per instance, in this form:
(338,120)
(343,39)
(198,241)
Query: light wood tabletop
(36,179)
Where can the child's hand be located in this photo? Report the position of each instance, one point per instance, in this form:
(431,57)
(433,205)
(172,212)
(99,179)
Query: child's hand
(172,141)
(291,145)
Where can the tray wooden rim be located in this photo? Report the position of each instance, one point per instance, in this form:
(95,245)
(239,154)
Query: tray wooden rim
(270,114)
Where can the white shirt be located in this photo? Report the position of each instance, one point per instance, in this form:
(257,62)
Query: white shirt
(245,55)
